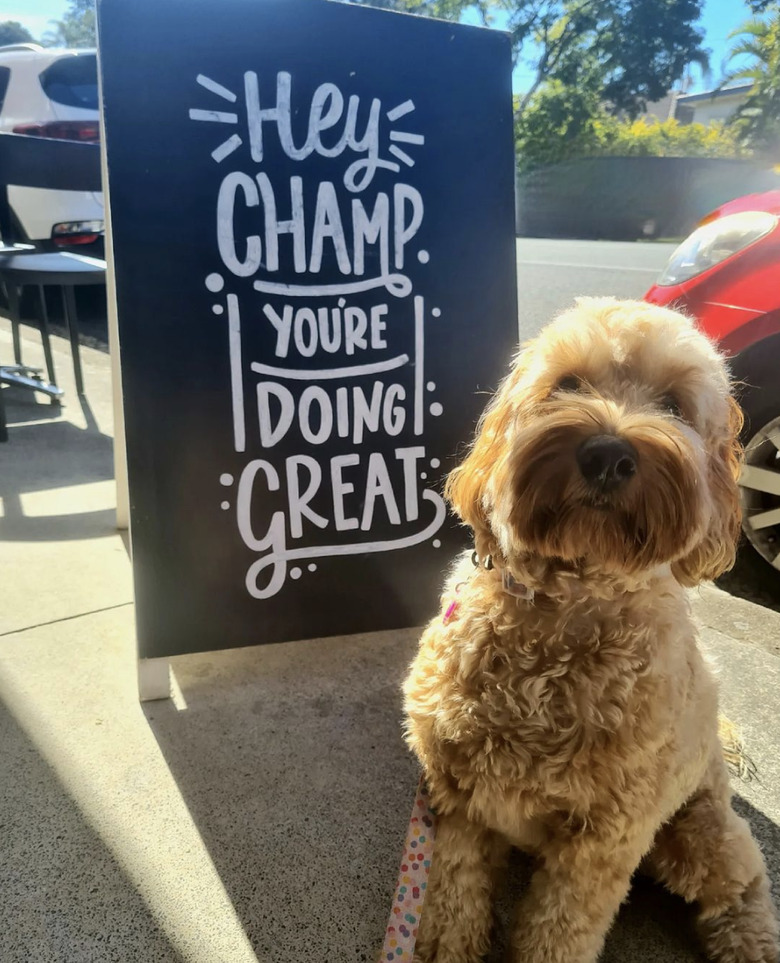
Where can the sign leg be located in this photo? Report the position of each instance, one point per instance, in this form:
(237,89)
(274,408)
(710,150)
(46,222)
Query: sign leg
(154,679)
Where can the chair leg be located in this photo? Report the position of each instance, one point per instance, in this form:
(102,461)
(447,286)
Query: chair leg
(71,319)
(45,338)
(14,307)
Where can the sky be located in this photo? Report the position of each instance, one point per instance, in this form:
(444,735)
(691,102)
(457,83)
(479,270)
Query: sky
(719,18)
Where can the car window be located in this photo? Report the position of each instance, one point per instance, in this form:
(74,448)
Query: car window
(5,73)
(72,81)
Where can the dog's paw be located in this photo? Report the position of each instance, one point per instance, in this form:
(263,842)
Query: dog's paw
(743,933)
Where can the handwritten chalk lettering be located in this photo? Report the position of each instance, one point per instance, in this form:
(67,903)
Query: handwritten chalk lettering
(298,498)
(327,329)
(274,538)
(276,560)
(325,112)
(304,477)
(317,414)
(379,486)
(349,475)
(341,487)
(331,374)
(286,231)
(238,191)
(226,235)
(372,230)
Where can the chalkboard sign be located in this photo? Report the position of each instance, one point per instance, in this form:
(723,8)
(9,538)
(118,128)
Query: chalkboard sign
(313,231)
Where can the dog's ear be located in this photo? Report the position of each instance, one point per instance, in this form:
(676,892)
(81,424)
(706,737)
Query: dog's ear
(468,485)
(715,553)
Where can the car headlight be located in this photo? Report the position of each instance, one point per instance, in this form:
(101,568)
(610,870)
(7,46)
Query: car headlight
(714,242)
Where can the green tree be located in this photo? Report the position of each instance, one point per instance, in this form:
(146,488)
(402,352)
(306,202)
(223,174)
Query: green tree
(11,31)
(565,123)
(757,121)
(639,48)
(557,124)
(77,27)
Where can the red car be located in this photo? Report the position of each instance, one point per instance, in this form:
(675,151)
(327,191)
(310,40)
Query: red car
(727,275)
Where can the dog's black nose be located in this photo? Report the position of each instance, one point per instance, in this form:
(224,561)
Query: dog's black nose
(606,462)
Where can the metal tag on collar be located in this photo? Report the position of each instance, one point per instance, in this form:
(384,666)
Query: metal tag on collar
(512,587)
(477,562)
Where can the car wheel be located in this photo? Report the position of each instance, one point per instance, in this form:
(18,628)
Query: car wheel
(760,486)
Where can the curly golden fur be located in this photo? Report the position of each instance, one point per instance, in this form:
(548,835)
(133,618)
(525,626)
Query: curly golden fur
(580,723)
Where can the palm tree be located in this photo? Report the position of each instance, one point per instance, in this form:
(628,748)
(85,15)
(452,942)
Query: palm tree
(757,121)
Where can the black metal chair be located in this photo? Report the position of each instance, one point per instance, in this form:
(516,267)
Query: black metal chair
(57,165)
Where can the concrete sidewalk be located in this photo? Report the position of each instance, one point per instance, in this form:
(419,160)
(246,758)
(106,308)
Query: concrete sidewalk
(260,815)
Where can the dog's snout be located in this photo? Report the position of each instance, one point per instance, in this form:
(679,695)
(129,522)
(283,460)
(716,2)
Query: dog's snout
(606,462)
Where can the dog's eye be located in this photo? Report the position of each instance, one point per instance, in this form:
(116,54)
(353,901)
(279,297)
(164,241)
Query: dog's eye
(569,383)
(672,406)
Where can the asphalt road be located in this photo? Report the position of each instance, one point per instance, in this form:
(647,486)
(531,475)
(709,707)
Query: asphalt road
(551,274)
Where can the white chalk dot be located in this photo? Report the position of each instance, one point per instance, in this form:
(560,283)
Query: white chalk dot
(226,479)
(423,475)
(311,567)
(217,308)
(342,302)
(224,506)
(295,573)
(215,282)
(436,312)
(436,409)
(431,386)
(436,543)
(423,257)
(435,462)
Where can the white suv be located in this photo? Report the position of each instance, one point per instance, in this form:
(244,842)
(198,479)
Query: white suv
(52,93)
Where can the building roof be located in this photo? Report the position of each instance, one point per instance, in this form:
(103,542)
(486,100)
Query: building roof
(738,90)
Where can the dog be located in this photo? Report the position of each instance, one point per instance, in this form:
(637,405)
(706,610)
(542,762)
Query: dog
(561,704)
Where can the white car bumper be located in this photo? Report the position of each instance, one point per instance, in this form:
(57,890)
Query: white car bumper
(38,210)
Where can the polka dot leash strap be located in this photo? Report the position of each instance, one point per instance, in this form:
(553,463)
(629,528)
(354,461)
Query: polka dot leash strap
(401,932)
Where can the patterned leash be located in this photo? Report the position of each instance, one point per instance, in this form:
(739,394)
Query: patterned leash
(401,934)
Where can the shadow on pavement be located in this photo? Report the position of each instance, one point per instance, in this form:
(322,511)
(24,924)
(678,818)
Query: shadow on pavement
(47,452)
(292,766)
(22,408)
(65,897)
(767,834)
(752,578)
